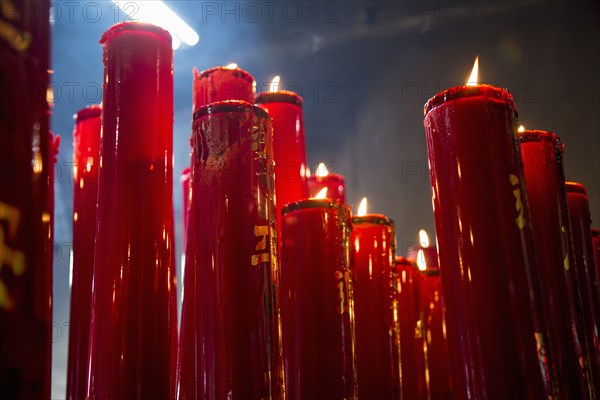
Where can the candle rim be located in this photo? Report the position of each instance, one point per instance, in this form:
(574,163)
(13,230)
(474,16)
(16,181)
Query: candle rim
(575,187)
(93,110)
(595,232)
(136,27)
(314,203)
(374,219)
(238,72)
(464,91)
(409,262)
(279,96)
(229,106)
(537,136)
(331,176)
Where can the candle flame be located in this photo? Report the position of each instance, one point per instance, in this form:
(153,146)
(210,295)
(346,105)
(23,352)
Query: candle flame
(421,264)
(521,129)
(275,83)
(307,172)
(472,81)
(231,66)
(322,194)
(362,208)
(423,238)
(322,171)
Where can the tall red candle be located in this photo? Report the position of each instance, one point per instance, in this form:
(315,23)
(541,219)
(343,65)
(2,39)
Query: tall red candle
(542,154)
(230,345)
(596,245)
(579,214)
(289,148)
(496,331)
(317,305)
(25,276)
(335,184)
(86,162)
(220,84)
(134,319)
(411,333)
(185,191)
(375,307)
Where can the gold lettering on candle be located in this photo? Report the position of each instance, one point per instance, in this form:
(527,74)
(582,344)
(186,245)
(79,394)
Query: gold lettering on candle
(261,231)
(520,220)
(13,259)
(339,276)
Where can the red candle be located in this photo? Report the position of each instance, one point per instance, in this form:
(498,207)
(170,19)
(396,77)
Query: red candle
(222,83)
(25,276)
(317,305)
(134,319)
(411,332)
(496,331)
(596,245)
(375,306)
(230,345)
(579,214)
(285,109)
(335,184)
(86,154)
(542,161)
(185,189)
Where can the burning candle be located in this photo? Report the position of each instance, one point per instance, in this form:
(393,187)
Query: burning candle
(496,331)
(411,333)
(317,305)
(134,318)
(222,83)
(230,344)
(86,154)
(285,109)
(375,305)
(542,154)
(433,320)
(25,276)
(335,183)
(579,214)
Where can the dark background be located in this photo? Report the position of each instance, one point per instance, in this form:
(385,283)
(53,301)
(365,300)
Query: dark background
(365,69)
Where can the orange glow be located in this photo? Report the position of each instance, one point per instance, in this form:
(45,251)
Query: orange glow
(322,194)
(472,81)
(362,208)
(275,83)
(521,129)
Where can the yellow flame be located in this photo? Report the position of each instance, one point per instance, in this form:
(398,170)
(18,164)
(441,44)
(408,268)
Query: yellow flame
(521,129)
(423,238)
(275,83)
(231,66)
(362,208)
(421,264)
(322,171)
(472,81)
(307,170)
(322,194)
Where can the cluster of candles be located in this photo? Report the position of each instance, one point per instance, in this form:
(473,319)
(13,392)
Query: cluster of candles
(286,293)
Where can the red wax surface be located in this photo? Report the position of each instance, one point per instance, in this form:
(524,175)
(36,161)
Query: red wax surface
(335,184)
(495,324)
(220,84)
(596,245)
(285,109)
(411,332)
(542,162)
(134,319)
(579,214)
(230,344)
(25,276)
(185,190)
(317,304)
(375,307)
(86,162)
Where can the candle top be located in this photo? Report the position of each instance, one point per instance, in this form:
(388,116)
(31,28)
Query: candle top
(575,187)
(224,106)
(94,110)
(279,96)
(237,72)
(405,261)
(135,27)
(531,135)
(461,92)
(374,219)
(315,203)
